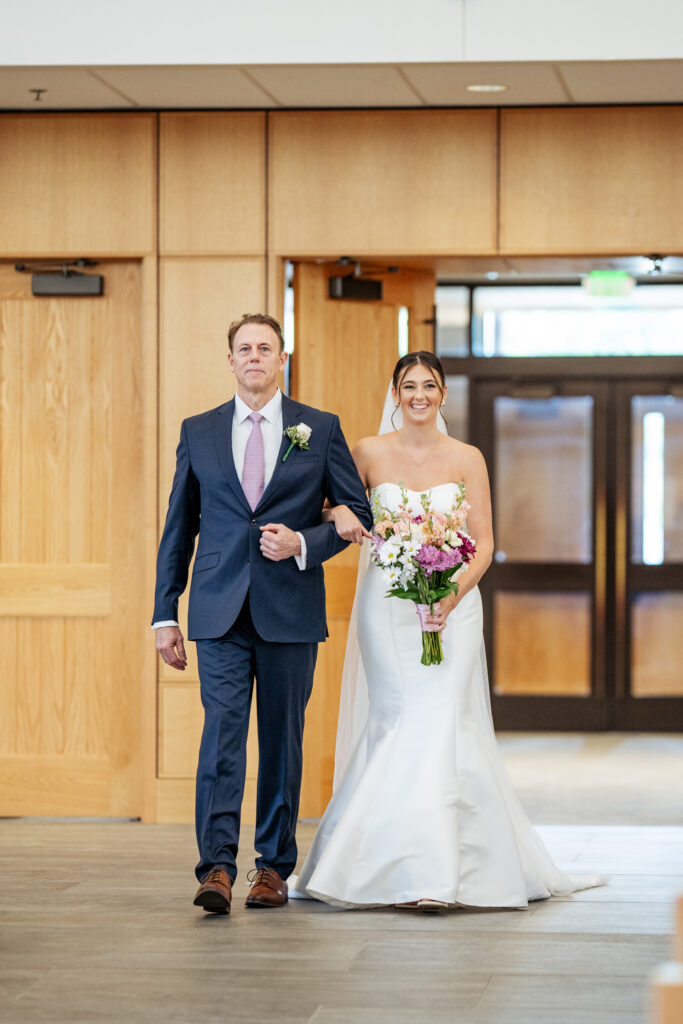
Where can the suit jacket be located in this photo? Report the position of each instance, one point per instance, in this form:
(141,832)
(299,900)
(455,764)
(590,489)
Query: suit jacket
(287,604)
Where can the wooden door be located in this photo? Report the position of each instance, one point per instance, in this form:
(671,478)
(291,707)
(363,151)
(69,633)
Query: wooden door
(344,356)
(72,600)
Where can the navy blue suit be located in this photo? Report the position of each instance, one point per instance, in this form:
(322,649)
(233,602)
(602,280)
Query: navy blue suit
(252,617)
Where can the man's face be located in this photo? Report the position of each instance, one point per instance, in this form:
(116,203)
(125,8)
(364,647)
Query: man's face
(256,359)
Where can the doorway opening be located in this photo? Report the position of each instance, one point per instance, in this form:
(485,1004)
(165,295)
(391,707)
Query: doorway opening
(576,401)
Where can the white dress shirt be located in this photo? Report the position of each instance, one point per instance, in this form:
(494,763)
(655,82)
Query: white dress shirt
(271,431)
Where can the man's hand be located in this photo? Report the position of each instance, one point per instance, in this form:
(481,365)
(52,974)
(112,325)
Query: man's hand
(170,645)
(279,542)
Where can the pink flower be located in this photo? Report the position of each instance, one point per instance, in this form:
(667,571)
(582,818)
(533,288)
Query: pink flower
(384,527)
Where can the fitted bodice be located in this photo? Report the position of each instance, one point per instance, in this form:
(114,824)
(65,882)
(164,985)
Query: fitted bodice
(442,497)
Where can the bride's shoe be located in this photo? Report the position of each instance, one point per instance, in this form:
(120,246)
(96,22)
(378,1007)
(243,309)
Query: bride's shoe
(428,906)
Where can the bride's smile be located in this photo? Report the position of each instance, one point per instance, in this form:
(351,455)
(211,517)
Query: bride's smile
(419,396)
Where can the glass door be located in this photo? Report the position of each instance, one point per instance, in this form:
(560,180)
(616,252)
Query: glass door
(649,556)
(545,607)
(584,599)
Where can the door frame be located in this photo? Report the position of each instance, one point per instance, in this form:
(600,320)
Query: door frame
(539,711)
(657,714)
(616,579)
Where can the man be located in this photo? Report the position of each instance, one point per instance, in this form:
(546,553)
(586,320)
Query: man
(257,601)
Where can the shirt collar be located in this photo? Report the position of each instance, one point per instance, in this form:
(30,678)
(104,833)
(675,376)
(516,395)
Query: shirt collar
(270,411)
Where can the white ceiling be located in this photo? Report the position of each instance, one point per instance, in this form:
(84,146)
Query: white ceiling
(341,85)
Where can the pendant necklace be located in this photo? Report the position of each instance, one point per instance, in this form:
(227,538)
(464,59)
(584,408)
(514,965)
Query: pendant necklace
(412,457)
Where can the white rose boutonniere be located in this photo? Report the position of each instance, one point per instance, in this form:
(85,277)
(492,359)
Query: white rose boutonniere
(298,438)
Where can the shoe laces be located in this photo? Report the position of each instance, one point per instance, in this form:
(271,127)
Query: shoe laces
(264,876)
(214,875)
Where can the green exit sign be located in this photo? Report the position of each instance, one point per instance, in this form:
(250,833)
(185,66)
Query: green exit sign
(608,283)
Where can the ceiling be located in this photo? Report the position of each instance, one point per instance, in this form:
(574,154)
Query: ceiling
(341,85)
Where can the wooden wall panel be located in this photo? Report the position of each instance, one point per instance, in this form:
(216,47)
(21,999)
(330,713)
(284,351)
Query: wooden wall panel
(379,182)
(212,185)
(198,300)
(72,543)
(77,184)
(592,180)
(62,590)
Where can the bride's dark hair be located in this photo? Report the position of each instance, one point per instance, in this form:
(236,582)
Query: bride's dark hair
(423,358)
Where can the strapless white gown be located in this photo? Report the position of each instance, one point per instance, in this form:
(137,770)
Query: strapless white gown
(425,808)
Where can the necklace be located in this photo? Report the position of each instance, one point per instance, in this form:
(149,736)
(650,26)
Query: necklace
(412,457)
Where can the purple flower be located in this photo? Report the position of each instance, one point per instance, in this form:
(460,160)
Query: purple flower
(433,559)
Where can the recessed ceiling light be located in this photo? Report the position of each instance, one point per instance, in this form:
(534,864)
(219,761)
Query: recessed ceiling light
(486,88)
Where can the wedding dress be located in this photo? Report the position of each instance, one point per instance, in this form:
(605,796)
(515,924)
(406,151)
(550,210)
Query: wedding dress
(422,806)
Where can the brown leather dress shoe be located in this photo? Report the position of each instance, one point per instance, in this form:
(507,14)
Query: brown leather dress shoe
(267,889)
(215,892)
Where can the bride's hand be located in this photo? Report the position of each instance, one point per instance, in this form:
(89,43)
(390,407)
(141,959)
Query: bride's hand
(442,609)
(347,525)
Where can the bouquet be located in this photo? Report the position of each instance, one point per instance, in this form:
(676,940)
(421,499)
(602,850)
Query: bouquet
(419,556)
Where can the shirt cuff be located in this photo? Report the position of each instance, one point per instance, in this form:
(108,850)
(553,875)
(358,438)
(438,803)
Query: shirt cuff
(301,559)
(164,622)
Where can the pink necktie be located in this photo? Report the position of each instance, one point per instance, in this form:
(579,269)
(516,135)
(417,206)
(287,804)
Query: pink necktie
(253,474)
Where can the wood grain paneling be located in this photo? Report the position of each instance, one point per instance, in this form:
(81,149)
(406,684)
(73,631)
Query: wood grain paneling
(61,590)
(198,300)
(72,538)
(80,793)
(375,182)
(56,410)
(592,180)
(346,351)
(212,183)
(77,184)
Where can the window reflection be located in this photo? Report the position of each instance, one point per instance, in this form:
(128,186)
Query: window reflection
(547,320)
(657,475)
(543,473)
(452,320)
(456,409)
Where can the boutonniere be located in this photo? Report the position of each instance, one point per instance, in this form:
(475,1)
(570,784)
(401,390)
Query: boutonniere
(298,438)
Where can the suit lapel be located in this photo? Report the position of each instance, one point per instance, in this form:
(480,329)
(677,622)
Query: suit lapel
(291,412)
(221,425)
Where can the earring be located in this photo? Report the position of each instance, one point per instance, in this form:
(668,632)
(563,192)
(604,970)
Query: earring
(443,401)
(396,405)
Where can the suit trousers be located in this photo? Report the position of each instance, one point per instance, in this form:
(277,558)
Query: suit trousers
(228,666)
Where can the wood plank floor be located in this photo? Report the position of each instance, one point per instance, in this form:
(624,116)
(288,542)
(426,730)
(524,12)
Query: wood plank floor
(98,926)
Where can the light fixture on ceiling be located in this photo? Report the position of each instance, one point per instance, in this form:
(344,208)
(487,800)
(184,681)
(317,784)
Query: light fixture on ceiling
(486,88)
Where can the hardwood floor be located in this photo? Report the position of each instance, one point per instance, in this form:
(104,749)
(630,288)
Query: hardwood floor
(98,925)
(97,922)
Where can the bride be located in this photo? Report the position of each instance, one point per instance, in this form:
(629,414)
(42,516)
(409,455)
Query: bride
(423,814)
